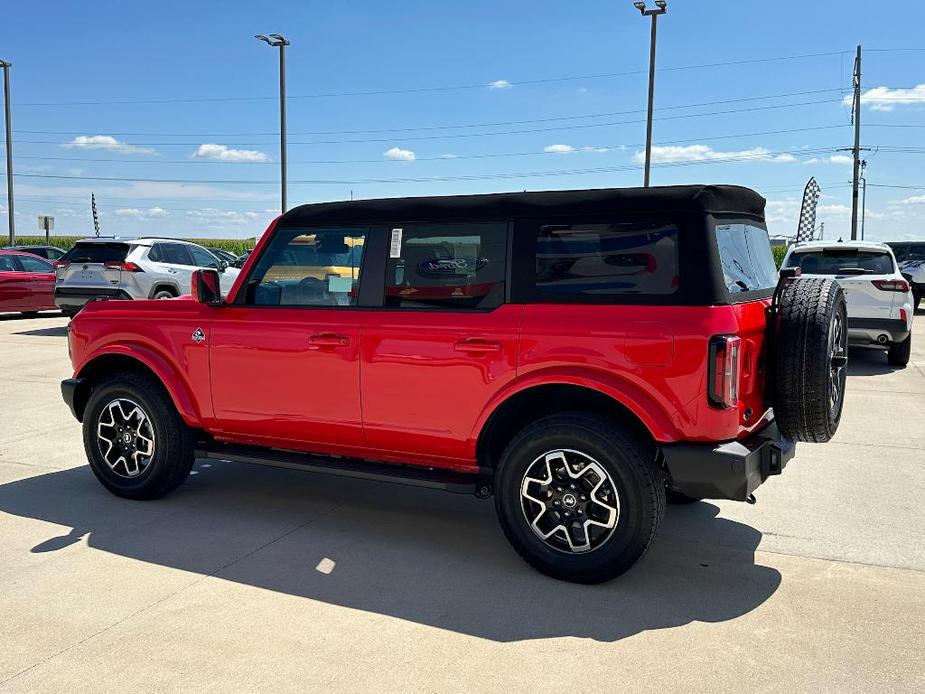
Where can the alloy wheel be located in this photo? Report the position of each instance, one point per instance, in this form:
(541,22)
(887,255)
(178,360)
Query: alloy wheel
(125,436)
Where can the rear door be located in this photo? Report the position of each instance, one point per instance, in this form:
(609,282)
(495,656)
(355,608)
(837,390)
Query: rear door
(444,343)
(40,277)
(92,265)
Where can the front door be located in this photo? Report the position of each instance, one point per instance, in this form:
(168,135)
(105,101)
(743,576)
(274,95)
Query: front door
(445,342)
(14,287)
(285,356)
(40,275)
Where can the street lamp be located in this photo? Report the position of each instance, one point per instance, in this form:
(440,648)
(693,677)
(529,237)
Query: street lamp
(661,8)
(277,41)
(9,149)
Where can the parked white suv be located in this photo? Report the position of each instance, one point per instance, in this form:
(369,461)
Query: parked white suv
(118,268)
(911,258)
(880,305)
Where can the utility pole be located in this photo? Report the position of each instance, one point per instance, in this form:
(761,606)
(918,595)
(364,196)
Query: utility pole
(277,41)
(863,196)
(662,8)
(856,150)
(9,149)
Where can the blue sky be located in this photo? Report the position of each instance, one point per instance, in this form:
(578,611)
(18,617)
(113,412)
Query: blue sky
(487,96)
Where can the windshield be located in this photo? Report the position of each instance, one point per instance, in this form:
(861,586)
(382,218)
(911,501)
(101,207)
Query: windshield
(745,253)
(96,253)
(838,261)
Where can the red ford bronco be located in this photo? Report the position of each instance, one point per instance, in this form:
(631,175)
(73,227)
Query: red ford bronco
(582,356)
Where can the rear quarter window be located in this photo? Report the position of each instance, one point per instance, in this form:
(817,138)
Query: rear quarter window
(746,257)
(574,261)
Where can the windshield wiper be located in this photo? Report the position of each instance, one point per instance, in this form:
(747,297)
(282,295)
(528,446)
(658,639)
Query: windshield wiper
(852,271)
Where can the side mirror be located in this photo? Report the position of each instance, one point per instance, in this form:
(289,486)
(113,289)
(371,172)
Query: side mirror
(206,288)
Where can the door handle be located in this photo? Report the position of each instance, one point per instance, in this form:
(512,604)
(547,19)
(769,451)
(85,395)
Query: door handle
(328,340)
(477,346)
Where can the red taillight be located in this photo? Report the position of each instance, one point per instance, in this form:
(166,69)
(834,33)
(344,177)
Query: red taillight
(724,370)
(124,265)
(891,285)
(61,263)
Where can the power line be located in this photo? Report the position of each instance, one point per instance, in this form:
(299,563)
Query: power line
(418,138)
(439,88)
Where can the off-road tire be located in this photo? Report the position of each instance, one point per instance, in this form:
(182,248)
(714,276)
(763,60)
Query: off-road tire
(174,441)
(803,375)
(639,484)
(899,352)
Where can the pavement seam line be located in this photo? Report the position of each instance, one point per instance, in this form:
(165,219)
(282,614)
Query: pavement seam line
(164,599)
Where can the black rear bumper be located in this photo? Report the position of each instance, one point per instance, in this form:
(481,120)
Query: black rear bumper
(67,298)
(895,329)
(730,470)
(75,392)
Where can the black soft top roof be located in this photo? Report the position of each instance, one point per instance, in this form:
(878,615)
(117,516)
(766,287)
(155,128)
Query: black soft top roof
(688,199)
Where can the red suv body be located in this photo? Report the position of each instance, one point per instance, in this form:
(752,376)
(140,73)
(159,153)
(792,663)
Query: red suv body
(417,339)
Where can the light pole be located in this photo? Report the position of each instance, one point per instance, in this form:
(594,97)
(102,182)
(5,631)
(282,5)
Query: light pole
(9,149)
(277,41)
(661,8)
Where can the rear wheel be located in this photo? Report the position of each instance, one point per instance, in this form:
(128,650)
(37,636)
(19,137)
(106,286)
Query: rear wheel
(164,293)
(811,359)
(899,352)
(137,444)
(579,497)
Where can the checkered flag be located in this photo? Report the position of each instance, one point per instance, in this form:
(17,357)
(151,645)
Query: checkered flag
(807,224)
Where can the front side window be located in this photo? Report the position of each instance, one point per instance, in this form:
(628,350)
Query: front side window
(841,261)
(202,258)
(448,266)
(746,257)
(30,264)
(309,267)
(601,260)
(6,263)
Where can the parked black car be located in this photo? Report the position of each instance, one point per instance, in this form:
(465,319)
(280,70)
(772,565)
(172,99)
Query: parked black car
(48,252)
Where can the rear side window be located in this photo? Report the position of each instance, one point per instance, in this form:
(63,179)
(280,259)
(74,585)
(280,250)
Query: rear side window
(449,266)
(30,264)
(6,264)
(746,257)
(837,261)
(97,253)
(576,260)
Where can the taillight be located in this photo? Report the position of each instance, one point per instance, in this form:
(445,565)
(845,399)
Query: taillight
(891,285)
(61,263)
(124,265)
(724,370)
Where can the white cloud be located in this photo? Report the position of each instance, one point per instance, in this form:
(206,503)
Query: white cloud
(225,153)
(107,142)
(914,200)
(835,209)
(673,153)
(886,99)
(568,149)
(141,214)
(840,159)
(785,158)
(214,215)
(399,154)
(500,84)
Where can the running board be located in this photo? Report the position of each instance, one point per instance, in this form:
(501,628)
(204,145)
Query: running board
(431,478)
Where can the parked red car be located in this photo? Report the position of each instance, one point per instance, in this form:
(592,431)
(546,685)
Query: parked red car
(584,356)
(27,283)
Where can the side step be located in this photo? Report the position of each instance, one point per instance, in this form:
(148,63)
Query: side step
(412,475)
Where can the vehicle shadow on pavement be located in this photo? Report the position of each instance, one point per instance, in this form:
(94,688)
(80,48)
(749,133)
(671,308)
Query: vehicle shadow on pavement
(55,331)
(428,557)
(868,361)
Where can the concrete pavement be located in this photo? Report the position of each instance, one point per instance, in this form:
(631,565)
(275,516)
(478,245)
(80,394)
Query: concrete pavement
(250,579)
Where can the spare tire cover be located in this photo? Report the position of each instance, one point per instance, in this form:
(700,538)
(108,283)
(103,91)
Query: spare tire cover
(810,360)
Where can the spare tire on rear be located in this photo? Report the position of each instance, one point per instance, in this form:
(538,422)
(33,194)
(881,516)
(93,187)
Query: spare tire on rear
(810,359)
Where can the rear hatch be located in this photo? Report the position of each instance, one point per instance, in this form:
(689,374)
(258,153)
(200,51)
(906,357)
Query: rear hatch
(858,271)
(92,265)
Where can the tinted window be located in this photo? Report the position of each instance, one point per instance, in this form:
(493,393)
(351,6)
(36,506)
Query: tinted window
(34,264)
(908,251)
(746,257)
(316,267)
(837,261)
(97,252)
(175,254)
(202,258)
(450,266)
(6,264)
(574,260)
(53,253)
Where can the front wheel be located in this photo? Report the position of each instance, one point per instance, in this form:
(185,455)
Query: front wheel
(137,444)
(579,497)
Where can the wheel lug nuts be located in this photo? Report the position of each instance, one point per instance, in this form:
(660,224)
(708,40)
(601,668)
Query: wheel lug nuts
(555,503)
(571,486)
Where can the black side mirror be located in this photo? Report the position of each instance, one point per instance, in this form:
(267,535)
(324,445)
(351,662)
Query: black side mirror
(206,288)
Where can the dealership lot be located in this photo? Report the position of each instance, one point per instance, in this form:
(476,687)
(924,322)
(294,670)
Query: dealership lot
(253,578)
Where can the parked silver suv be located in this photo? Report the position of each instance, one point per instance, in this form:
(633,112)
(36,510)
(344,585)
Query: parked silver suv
(119,268)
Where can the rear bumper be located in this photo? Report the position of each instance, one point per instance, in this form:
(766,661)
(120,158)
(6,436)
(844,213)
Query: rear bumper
(730,470)
(872,330)
(74,392)
(75,299)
